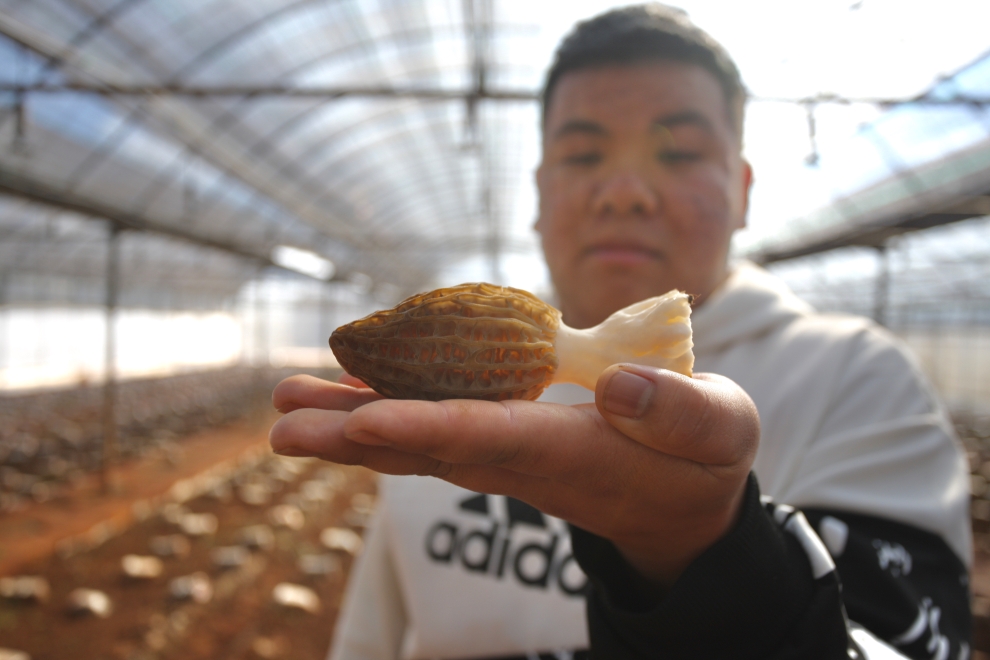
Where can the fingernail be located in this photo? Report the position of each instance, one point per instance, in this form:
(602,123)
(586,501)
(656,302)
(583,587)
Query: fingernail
(290,451)
(628,395)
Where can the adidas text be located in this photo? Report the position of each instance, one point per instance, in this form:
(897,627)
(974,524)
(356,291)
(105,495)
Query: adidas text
(536,564)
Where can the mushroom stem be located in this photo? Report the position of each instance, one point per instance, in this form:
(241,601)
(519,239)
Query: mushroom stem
(655,332)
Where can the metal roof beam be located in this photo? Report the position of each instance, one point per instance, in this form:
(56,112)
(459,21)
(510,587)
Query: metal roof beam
(25,188)
(877,236)
(189,129)
(110,88)
(263,91)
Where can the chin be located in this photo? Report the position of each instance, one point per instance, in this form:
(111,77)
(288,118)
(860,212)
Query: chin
(625,287)
(597,303)
(595,294)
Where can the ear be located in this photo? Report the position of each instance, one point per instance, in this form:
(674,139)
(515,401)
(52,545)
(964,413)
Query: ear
(538,176)
(747,185)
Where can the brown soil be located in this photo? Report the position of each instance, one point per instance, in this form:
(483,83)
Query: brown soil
(241,621)
(79,539)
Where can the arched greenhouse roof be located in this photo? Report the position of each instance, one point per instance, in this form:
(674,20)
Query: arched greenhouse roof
(391,138)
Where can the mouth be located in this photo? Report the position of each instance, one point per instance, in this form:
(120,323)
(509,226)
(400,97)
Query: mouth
(622,254)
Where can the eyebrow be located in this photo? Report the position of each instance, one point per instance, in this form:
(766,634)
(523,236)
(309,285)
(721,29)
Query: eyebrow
(689,117)
(588,127)
(580,126)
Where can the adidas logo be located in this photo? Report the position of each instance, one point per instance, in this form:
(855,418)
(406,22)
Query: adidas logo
(521,545)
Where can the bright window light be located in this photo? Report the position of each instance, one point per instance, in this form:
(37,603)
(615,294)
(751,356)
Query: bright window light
(303,261)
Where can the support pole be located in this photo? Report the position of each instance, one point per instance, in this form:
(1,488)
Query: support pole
(323,324)
(262,357)
(109,456)
(881,296)
(4,324)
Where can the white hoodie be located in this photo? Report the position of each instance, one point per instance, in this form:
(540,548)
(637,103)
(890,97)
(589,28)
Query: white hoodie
(847,423)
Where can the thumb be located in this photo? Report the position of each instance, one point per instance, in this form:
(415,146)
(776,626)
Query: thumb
(707,419)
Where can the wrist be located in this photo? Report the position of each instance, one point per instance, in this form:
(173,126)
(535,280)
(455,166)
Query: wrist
(661,558)
(753,586)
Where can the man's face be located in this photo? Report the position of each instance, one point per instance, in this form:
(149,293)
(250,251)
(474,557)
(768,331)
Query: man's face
(641,186)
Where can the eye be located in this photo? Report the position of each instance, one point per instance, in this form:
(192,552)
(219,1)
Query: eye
(672,157)
(583,158)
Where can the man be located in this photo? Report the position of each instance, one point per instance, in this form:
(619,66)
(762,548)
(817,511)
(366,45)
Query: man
(642,185)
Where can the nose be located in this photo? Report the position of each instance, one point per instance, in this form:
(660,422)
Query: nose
(625,194)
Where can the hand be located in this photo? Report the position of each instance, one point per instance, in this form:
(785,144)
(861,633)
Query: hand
(658,465)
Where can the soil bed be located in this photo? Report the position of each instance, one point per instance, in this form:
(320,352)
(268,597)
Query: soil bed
(241,621)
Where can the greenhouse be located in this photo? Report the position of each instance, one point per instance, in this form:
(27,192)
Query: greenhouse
(195,194)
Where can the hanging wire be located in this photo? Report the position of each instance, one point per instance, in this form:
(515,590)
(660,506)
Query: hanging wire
(19,142)
(189,192)
(811,160)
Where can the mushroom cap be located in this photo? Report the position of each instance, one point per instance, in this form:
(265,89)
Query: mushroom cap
(471,341)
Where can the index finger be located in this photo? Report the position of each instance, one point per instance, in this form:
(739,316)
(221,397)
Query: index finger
(543,439)
(304,391)
(353,381)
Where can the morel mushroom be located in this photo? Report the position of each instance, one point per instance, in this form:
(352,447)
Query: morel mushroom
(481,341)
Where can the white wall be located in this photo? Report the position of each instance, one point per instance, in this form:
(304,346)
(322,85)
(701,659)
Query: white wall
(49,347)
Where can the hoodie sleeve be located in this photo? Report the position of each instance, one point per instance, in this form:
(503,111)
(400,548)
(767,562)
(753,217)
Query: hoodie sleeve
(904,584)
(769,589)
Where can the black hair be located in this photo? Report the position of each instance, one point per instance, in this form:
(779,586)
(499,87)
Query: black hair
(644,33)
